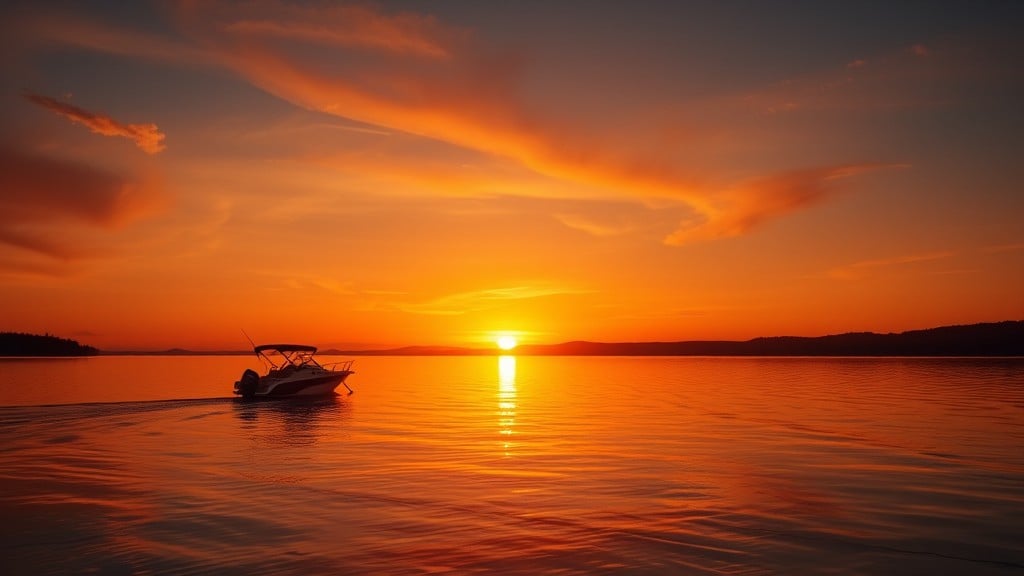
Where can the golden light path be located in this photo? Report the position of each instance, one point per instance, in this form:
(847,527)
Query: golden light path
(507,400)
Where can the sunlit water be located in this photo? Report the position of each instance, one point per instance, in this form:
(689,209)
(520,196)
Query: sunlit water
(144,465)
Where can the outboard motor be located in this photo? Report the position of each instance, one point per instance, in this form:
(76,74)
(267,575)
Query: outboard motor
(247,384)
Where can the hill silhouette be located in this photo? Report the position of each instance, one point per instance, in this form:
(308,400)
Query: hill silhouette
(987,339)
(19,344)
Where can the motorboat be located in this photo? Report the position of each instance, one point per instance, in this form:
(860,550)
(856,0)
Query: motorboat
(292,370)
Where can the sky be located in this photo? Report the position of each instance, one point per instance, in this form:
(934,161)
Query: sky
(369,175)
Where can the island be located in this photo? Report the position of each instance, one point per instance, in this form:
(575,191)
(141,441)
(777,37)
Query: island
(20,344)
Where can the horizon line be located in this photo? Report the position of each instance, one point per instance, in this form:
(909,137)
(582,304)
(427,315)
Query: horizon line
(455,350)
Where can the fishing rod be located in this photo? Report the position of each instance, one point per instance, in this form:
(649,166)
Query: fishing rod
(250,340)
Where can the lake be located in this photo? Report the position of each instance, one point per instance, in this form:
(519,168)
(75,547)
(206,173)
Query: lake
(528,465)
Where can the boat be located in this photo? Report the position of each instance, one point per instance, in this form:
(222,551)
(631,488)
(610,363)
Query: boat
(292,370)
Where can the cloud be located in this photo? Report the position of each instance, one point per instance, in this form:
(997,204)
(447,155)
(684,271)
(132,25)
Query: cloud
(467,99)
(415,75)
(40,188)
(43,244)
(290,281)
(592,226)
(464,92)
(858,270)
(752,203)
(350,26)
(465,302)
(64,28)
(14,264)
(40,196)
(146,136)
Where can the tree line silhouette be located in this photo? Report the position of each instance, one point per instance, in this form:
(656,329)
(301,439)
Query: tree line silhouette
(20,344)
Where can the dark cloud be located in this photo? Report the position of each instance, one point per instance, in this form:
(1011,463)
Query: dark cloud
(39,188)
(43,198)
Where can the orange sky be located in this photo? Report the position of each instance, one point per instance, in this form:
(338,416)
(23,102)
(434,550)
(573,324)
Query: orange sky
(376,175)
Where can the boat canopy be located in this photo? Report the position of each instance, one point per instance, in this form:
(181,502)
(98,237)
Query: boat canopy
(279,356)
(285,348)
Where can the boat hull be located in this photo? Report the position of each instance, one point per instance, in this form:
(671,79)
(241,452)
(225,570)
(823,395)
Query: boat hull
(320,384)
(315,386)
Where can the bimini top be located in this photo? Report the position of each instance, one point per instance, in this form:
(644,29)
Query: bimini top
(285,348)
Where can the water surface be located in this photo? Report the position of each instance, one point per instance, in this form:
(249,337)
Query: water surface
(134,465)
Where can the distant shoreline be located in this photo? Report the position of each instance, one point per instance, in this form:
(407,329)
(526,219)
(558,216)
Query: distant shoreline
(995,339)
(19,344)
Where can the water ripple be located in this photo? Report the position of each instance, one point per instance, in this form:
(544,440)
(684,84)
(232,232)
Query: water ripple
(556,466)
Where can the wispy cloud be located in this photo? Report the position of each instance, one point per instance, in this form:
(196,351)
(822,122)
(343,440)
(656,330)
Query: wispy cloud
(465,302)
(467,99)
(16,265)
(413,74)
(146,136)
(40,243)
(350,26)
(754,202)
(593,227)
(290,281)
(860,269)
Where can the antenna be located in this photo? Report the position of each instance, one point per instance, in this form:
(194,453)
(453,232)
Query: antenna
(249,339)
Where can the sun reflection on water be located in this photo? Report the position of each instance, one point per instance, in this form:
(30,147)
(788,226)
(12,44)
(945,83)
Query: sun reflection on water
(506,400)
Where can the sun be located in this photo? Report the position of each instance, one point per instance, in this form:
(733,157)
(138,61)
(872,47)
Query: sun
(506,342)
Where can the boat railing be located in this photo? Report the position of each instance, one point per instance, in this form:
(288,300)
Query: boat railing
(345,366)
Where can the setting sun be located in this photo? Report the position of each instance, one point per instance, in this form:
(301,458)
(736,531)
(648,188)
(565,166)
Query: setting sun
(506,342)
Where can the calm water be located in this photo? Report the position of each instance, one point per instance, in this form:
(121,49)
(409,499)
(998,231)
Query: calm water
(143,465)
